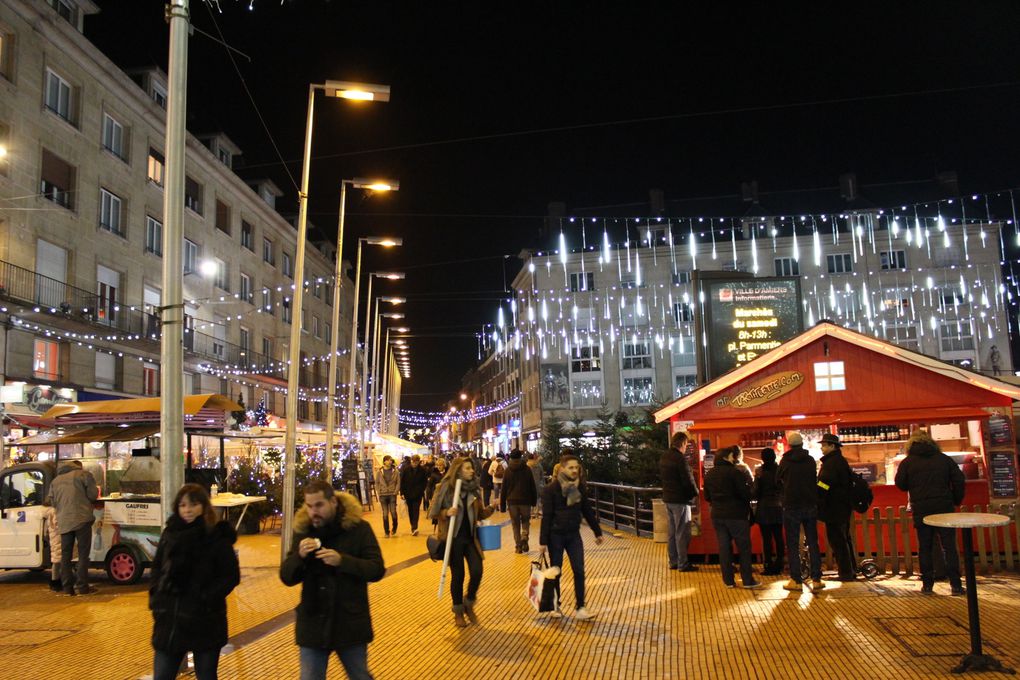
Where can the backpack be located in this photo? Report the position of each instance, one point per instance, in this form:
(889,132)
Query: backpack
(497,472)
(861,495)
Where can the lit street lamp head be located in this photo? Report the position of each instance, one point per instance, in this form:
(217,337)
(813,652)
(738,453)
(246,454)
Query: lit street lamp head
(367,92)
(393,300)
(393,276)
(385,241)
(374,184)
(208,268)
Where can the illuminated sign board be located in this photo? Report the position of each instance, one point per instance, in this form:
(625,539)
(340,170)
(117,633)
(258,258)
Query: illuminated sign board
(745,318)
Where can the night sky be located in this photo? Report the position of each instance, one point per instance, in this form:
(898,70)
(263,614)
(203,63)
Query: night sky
(499,109)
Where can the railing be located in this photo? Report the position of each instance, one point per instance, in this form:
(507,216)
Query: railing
(626,507)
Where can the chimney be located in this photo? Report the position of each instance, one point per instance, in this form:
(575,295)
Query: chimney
(949,184)
(848,186)
(749,191)
(657,202)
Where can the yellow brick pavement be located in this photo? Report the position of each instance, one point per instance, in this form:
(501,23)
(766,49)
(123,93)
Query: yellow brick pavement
(652,623)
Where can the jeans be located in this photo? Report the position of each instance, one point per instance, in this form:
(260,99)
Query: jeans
(520,520)
(165,665)
(460,551)
(793,520)
(413,511)
(727,532)
(487,495)
(772,546)
(389,509)
(574,547)
(837,534)
(679,515)
(83,537)
(926,543)
(497,491)
(353,658)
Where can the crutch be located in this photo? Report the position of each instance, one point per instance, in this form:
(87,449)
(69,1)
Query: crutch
(449,539)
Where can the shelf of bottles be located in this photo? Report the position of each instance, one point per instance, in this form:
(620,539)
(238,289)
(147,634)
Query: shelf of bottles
(882,434)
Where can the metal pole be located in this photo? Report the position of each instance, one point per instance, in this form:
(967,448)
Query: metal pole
(384,424)
(363,404)
(171,378)
(352,357)
(334,336)
(374,386)
(290,439)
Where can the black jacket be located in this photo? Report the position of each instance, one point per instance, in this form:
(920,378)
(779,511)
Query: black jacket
(333,612)
(518,484)
(413,481)
(934,482)
(766,491)
(435,477)
(798,480)
(678,485)
(834,502)
(561,518)
(193,572)
(728,489)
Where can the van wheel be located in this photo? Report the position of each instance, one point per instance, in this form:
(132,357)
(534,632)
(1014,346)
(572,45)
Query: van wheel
(123,566)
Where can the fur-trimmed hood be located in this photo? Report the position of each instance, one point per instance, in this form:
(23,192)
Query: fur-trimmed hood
(348,513)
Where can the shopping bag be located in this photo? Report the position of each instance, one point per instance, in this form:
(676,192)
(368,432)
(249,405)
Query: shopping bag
(541,588)
(435,546)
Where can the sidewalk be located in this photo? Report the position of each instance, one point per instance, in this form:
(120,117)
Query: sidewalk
(652,623)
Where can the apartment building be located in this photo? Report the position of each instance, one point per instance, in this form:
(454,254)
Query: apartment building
(81,203)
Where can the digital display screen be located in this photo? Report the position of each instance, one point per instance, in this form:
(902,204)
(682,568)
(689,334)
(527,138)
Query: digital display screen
(745,318)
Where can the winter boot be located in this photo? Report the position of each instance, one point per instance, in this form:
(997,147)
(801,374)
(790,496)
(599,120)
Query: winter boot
(469,610)
(458,616)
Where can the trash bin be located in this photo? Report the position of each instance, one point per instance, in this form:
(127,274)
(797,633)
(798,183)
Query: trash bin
(490,536)
(660,521)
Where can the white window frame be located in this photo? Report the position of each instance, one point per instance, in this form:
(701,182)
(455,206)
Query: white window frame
(890,257)
(628,357)
(839,263)
(106,380)
(585,354)
(114,136)
(581,282)
(153,236)
(247,235)
(267,301)
(159,95)
(268,256)
(59,95)
(830,376)
(287,314)
(589,381)
(222,278)
(959,335)
(111,212)
(189,256)
(644,377)
(675,356)
(786,266)
(287,265)
(244,338)
(903,335)
(315,326)
(689,379)
(246,290)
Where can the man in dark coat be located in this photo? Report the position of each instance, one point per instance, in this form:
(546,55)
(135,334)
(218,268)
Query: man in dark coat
(936,485)
(334,555)
(413,480)
(835,505)
(728,489)
(679,490)
(798,481)
(72,494)
(518,494)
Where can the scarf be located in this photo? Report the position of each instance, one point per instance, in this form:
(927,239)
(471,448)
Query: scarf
(570,489)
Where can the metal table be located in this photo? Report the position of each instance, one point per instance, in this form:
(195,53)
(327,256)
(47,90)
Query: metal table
(229,500)
(967,522)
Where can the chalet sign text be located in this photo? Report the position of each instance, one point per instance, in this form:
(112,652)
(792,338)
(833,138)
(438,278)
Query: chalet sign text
(772,387)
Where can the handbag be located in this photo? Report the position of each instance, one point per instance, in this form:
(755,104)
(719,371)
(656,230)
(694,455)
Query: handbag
(436,547)
(541,590)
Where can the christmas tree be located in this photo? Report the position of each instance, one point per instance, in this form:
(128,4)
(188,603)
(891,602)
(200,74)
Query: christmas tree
(261,416)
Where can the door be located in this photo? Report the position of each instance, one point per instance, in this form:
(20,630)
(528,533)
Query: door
(152,300)
(107,285)
(21,519)
(51,265)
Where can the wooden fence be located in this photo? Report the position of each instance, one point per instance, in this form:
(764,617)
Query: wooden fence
(887,536)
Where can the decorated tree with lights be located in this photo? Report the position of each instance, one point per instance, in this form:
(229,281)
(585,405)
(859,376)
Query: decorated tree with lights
(260,416)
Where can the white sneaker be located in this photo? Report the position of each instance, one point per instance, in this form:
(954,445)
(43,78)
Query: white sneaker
(556,613)
(583,614)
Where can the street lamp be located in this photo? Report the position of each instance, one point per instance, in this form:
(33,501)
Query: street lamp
(385,384)
(364,355)
(376,388)
(385,242)
(332,88)
(334,336)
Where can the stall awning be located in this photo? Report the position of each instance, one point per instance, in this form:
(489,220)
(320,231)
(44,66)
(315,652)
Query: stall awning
(192,405)
(848,419)
(83,435)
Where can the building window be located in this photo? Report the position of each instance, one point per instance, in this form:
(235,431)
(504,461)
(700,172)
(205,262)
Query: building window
(841,263)
(315,326)
(684,384)
(288,269)
(329,331)
(893,259)
(317,289)
(637,355)
(267,251)
(190,256)
(586,393)
(904,335)
(57,182)
(5,141)
(956,336)
(682,313)
(630,282)
(267,348)
(585,360)
(223,217)
(638,391)
(267,300)
(159,95)
(581,281)
(153,236)
(46,362)
(59,96)
(222,274)
(106,370)
(246,292)
(110,212)
(830,376)
(65,10)
(787,266)
(7,55)
(244,339)
(113,137)
(681,278)
(224,157)
(150,379)
(157,166)
(683,352)
(247,236)
(192,195)
(286,310)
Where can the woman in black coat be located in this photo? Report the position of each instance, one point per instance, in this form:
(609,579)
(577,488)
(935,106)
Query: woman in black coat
(194,570)
(769,514)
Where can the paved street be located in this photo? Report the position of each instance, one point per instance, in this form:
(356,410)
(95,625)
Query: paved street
(652,623)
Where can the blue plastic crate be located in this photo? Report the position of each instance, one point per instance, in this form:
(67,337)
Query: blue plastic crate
(490,536)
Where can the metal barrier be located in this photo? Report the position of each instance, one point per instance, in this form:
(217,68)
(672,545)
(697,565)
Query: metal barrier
(625,507)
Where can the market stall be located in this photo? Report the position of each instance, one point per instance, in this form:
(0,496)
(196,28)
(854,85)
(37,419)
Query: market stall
(870,393)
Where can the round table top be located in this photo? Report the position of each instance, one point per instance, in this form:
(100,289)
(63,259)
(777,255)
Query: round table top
(966,520)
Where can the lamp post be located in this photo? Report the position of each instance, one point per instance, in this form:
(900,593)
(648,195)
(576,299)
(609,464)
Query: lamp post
(386,242)
(376,388)
(386,387)
(344,90)
(334,335)
(364,354)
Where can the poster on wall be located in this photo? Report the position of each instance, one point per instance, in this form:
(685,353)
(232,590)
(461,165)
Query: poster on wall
(747,317)
(555,386)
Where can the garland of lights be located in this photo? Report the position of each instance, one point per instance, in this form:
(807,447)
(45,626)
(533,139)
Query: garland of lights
(438,418)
